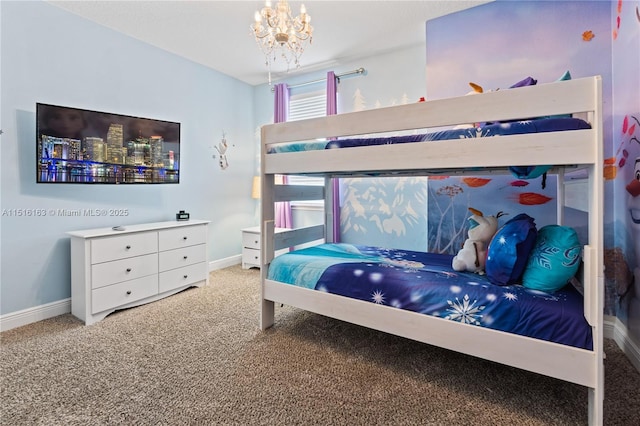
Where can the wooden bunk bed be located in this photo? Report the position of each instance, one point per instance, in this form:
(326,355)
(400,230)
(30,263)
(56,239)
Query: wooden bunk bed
(574,149)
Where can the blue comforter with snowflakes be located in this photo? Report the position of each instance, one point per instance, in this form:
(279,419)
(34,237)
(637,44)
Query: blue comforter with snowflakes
(426,283)
(485,130)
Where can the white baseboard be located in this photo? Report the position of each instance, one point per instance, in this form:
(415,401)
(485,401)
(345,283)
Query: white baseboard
(35,314)
(616,330)
(61,307)
(225,263)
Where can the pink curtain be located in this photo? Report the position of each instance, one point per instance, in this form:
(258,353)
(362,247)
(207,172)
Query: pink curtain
(332,109)
(283,217)
(281,103)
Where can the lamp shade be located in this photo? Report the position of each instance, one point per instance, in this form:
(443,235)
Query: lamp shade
(255,188)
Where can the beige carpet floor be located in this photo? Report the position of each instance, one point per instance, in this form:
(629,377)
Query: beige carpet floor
(198,358)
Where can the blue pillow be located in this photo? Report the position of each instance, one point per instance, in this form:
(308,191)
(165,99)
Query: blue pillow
(509,250)
(529,81)
(554,260)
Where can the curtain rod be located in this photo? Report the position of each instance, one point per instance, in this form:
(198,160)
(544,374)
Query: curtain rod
(344,74)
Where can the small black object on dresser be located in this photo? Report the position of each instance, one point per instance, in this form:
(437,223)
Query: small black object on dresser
(182,215)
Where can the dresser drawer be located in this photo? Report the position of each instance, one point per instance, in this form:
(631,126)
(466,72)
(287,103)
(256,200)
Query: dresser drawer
(120,294)
(251,256)
(172,259)
(170,239)
(182,276)
(251,240)
(122,246)
(117,271)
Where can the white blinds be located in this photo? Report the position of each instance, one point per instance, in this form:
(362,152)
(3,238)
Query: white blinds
(301,107)
(307,105)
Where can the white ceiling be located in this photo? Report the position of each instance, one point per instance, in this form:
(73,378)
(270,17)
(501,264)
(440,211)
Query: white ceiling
(216,33)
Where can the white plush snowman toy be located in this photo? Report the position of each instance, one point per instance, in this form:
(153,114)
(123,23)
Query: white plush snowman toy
(472,256)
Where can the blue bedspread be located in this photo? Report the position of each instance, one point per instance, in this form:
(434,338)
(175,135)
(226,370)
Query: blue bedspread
(426,283)
(510,128)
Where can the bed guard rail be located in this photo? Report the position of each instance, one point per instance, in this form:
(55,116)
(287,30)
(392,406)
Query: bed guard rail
(287,238)
(297,192)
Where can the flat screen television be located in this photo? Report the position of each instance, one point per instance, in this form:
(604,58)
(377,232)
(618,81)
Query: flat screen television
(81,146)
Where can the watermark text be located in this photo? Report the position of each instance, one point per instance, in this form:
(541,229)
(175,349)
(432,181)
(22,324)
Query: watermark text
(35,212)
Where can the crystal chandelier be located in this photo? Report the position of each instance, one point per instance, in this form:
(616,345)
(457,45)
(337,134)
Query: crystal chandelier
(280,34)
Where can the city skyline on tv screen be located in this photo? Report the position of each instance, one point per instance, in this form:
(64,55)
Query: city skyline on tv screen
(82,146)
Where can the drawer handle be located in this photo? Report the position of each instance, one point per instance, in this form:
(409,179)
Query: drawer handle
(128,269)
(128,247)
(255,257)
(185,277)
(256,241)
(185,258)
(184,238)
(128,292)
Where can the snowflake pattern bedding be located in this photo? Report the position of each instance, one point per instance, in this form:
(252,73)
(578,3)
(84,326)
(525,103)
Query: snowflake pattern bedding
(426,283)
(498,129)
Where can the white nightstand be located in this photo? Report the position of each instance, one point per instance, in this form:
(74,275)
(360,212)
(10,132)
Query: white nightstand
(251,244)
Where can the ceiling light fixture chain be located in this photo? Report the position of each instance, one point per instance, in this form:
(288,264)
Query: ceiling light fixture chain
(279,34)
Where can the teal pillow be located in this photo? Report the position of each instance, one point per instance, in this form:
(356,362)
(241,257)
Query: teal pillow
(554,260)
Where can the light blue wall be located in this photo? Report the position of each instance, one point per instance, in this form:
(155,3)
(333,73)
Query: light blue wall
(391,78)
(52,56)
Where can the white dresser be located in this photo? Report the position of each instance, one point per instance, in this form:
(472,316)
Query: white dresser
(251,244)
(113,270)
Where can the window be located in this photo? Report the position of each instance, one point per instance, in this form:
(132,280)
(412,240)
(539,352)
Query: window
(307,105)
(303,106)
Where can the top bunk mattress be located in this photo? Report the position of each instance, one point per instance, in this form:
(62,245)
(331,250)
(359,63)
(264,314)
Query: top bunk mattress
(486,130)
(425,283)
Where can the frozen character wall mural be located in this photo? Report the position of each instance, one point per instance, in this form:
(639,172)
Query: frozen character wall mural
(633,205)
(630,156)
(451,198)
(622,258)
(387,212)
(545,42)
(622,169)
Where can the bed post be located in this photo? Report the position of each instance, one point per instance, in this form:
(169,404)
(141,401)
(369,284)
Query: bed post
(561,197)
(267,310)
(267,228)
(328,210)
(594,269)
(267,313)
(267,251)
